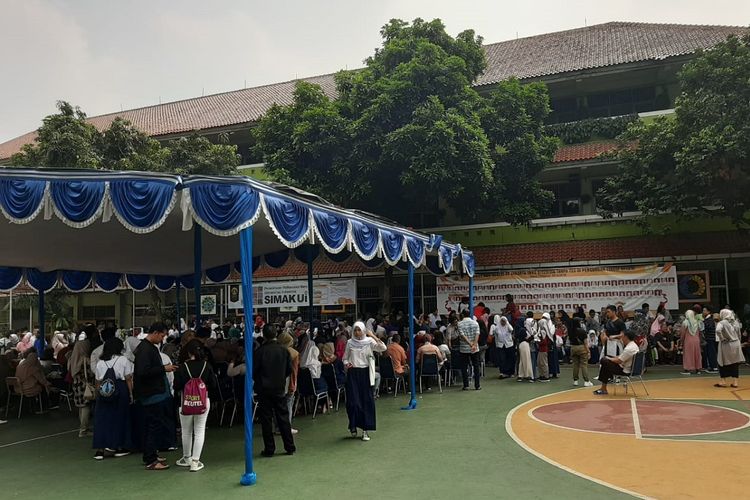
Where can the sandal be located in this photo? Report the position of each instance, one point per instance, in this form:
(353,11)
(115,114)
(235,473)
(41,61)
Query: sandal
(157,466)
(720,385)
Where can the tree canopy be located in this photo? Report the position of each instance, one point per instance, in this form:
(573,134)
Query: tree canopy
(698,161)
(67,140)
(408,129)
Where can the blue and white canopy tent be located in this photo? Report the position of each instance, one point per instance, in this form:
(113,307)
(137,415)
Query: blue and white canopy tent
(105,229)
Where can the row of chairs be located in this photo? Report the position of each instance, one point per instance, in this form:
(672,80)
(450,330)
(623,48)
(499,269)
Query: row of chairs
(13,386)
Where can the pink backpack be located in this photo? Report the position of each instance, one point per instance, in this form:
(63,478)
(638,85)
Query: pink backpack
(194,394)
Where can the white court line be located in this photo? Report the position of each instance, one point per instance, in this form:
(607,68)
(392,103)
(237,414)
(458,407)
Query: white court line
(636,419)
(38,438)
(519,442)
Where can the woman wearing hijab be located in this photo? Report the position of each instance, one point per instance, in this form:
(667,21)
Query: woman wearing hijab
(310,359)
(112,417)
(502,332)
(728,332)
(691,344)
(81,375)
(287,341)
(524,337)
(553,355)
(359,361)
(26,343)
(31,376)
(59,342)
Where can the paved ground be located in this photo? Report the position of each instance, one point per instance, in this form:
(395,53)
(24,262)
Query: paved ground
(454,445)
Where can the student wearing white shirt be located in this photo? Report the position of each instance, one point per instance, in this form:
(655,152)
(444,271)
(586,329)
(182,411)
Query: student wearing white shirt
(359,361)
(112,417)
(618,365)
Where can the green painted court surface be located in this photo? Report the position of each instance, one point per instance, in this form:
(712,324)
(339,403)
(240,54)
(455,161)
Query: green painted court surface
(453,446)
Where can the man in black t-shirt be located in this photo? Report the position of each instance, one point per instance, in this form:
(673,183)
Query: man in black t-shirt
(612,332)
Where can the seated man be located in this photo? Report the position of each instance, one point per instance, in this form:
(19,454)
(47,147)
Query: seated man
(398,356)
(429,348)
(665,347)
(617,365)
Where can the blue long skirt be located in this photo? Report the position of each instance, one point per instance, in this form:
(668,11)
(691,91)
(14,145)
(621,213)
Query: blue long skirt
(360,402)
(112,420)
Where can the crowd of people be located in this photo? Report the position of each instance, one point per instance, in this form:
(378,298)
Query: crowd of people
(153,391)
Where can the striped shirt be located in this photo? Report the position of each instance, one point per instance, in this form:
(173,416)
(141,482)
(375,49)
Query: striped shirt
(468,328)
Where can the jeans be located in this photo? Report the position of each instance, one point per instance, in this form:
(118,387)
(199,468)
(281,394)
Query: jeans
(194,433)
(476,363)
(155,420)
(711,362)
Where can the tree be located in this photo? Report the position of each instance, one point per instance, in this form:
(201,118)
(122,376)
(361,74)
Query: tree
(67,140)
(697,162)
(409,128)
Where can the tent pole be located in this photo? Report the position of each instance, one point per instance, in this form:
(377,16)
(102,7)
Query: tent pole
(412,368)
(197,255)
(221,306)
(471,296)
(31,317)
(10,311)
(246,261)
(41,316)
(310,301)
(134,308)
(421,294)
(177,296)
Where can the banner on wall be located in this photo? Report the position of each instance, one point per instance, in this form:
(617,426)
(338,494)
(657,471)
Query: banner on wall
(694,286)
(566,288)
(208,304)
(293,294)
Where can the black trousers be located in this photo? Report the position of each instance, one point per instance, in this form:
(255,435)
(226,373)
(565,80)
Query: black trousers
(474,358)
(729,371)
(608,370)
(269,404)
(156,418)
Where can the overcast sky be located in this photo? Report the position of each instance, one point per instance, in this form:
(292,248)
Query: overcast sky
(105,56)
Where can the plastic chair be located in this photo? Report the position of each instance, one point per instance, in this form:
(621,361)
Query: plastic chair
(456,365)
(306,387)
(329,373)
(388,373)
(14,389)
(430,368)
(639,364)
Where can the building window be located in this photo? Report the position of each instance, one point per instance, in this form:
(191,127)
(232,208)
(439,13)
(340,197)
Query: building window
(97,313)
(567,199)
(611,103)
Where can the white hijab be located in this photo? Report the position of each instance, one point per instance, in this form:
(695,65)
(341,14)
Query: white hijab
(354,342)
(730,328)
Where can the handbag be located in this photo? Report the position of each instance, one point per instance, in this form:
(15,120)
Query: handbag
(89,391)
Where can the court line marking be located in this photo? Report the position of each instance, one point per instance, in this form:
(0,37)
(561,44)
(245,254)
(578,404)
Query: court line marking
(645,437)
(636,419)
(38,438)
(519,442)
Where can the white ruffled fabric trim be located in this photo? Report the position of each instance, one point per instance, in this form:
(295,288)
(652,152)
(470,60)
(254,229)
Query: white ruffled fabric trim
(189,214)
(322,242)
(143,230)
(55,284)
(400,254)
(87,222)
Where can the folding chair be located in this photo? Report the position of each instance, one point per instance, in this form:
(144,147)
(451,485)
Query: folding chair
(306,387)
(429,368)
(639,364)
(14,389)
(329,373)
(387,373)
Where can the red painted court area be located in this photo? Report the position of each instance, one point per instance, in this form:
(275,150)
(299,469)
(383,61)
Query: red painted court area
(654,418)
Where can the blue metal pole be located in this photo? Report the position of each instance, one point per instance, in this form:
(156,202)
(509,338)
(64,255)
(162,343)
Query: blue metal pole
(39,343)
(310,301)
(177,294)
(471,295)
(412,365)
(198,256)
(246,261)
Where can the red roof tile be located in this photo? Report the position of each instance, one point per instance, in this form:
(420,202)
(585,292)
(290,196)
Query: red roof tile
(531,57)
(613,249)
(586,151)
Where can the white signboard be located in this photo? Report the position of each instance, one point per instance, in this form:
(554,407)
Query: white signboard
(294,293)
(566,288)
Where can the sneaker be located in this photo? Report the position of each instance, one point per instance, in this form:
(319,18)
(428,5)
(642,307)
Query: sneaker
(575,382)
(477,388)
(588,384)
(83,434)
(183,462)
(294,431)
(354,434)
(3,422)
(365,436)
(121,453)
(99,455)
(196,465)
(685,372)
(543,379)
(465,389)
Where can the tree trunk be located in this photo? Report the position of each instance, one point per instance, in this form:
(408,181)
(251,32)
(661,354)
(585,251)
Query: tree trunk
(156,304)
(385,308)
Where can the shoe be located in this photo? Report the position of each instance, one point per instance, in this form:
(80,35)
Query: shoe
(543,379)
(685,372)
(600,392)
(575,382)
(157,465)
(122,453)
(519,380)
(294,431)
(183,462)
(531,380)
(3,422)
(465,389)
(365,436)
(266,453)
(99,455)
(477,388)
(83,434)
(588,384)
(195,465)
(290,452)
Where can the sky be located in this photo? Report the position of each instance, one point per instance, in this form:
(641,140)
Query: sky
(105,56)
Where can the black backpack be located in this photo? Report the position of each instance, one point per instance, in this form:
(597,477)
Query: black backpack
(108,387)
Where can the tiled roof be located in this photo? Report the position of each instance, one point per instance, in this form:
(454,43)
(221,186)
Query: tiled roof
(585,151)
(596,47)
(531,57)
(613,249)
